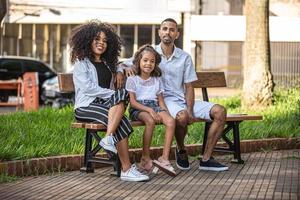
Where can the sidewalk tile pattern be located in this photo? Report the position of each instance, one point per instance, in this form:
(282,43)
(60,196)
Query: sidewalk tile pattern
(265,175)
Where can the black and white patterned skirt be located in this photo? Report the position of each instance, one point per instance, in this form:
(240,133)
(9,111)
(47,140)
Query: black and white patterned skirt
(97,112)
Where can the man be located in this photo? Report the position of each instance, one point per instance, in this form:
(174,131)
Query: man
(178,73)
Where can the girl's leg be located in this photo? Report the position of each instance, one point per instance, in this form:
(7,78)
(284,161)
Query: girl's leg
(115,114)
(148,132)
(169,122)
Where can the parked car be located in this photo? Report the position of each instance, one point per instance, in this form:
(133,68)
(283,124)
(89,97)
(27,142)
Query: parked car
(52,96)
(13,67)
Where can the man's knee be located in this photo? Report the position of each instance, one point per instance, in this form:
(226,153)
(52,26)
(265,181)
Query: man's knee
(218,113)
(182,118)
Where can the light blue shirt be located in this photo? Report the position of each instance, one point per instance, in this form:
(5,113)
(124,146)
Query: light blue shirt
(176,71)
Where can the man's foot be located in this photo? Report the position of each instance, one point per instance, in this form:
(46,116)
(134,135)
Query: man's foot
(132,174)
(212,165)
(182,161)
(108,144)
(165,166)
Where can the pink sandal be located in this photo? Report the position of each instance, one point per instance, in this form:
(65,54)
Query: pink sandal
(165,166)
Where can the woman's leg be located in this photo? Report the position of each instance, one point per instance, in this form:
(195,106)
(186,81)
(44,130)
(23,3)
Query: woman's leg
(115,114)
(122,147)
(169,122)
(148,132)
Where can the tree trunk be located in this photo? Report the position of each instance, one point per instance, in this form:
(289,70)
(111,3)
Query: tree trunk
(258,81)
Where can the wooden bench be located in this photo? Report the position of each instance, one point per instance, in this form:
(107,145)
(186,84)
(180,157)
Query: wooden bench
(205,80)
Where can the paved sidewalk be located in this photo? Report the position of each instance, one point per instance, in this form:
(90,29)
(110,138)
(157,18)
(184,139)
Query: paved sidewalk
(265,175)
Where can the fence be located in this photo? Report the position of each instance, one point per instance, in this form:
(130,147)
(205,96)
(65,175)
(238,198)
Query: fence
(228,57)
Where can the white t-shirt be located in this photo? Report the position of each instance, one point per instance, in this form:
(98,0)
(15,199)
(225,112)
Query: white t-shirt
(144,89)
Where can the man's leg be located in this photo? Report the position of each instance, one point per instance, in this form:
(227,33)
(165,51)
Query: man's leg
(177,109)
(182,161)
(181,128)
(218,114)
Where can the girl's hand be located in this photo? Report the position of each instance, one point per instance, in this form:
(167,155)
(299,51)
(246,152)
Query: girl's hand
(155,116)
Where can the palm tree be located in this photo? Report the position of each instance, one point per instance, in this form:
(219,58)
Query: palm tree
(258,81)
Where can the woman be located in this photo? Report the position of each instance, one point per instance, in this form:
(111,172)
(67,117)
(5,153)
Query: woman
(95,48)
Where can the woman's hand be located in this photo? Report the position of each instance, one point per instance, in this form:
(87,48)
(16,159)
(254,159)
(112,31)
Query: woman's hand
(120,80)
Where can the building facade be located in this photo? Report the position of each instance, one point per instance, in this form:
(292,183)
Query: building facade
(212,31)
(40,28)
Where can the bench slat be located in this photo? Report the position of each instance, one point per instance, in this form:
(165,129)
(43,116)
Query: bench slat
(230,118)
(210,79)
(205,80)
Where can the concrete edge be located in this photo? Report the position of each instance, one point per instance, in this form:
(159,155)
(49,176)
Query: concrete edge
(38,166)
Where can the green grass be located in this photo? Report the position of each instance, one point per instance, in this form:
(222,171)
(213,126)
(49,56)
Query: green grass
(4,178)
(47,132)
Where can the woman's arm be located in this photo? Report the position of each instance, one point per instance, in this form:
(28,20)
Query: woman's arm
(83,81)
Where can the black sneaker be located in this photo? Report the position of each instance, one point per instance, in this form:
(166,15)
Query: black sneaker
(182,160)
(212,165)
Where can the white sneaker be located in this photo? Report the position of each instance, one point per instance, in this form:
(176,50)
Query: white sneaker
(108,144)
(133,174)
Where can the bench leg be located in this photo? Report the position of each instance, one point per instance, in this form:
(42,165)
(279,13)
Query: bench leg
(87,165)
(237,149)
(117,166)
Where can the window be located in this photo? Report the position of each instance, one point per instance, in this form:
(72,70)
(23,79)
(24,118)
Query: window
(144,35)
(10,69)
(7,65)
(127,35)
(32,66)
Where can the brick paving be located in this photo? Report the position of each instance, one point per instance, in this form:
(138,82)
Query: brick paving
(265,175)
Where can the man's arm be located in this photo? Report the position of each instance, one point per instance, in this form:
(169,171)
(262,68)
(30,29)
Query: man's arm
(190,100)
(124,68)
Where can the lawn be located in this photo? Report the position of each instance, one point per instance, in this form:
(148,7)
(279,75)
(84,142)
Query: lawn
(47,132)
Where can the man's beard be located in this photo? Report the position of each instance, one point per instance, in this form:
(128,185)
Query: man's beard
(167,40)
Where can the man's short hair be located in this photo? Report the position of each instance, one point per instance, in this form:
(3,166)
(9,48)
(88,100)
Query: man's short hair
(169,20)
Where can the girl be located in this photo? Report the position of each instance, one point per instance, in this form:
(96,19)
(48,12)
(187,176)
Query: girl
(95,48)
(147,105)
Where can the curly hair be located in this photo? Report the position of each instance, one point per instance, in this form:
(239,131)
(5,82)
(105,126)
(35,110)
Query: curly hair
(138,57)
(82,37)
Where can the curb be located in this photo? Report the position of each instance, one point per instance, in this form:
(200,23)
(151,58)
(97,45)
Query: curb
(38,166)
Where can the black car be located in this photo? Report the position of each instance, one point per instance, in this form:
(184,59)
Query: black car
(13,67)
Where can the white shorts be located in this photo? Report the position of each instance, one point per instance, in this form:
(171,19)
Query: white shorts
(201,108)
